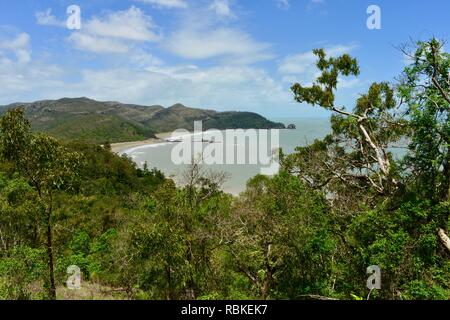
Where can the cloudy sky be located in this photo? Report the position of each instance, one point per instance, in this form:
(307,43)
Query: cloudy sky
(215,54)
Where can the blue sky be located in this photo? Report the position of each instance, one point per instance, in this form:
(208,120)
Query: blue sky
(215,54)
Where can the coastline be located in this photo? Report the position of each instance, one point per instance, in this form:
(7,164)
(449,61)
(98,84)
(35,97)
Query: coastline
(120,147)
(164,137)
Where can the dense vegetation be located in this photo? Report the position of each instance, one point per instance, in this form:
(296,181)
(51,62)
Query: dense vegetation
(99,122)
(336,207)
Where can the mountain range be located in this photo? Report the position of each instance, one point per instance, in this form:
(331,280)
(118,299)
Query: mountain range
(97,122)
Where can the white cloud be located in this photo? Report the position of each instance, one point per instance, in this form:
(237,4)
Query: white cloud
(21,41)
(19,82)
(284,4)
(221,8)
(204,43)
(297,64)
(131,24)
(19,46)
(316,5)
(180,4)
(19,74)
(221,87)
(93,43)
(115,33)
(201,35)
(46,18)
(142,58)
(120,32)
(233,83)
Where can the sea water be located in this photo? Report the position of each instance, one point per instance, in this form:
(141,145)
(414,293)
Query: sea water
(160,155)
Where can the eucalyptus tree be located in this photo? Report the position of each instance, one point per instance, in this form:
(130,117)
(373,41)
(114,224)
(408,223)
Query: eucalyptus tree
(425,88)
(175,244)
(355,157)
(391,212)
(47,166)
(278,237)
(361,137)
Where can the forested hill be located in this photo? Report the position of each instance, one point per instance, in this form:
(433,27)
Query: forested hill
(97,122)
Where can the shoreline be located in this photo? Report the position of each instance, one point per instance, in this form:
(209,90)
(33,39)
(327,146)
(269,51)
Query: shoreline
(164,137)
(120,147)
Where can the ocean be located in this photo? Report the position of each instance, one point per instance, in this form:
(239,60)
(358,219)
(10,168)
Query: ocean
(160,155)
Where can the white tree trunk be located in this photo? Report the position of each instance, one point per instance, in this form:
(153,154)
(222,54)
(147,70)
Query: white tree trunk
(444,238)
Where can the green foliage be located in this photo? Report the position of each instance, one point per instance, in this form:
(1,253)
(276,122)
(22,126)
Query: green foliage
(280,238)
(21,268)
(95,128)
(239,120)
(428,108)
(321,92)
(405,246)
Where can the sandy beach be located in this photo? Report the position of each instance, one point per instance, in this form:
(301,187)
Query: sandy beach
(121,146)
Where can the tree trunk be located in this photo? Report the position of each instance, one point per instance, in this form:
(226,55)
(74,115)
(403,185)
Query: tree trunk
(445,188)
(268,276)
(266,285)
(52,287)
(444,238)
(169,283)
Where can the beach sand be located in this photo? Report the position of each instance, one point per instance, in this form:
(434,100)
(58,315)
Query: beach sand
(122,146)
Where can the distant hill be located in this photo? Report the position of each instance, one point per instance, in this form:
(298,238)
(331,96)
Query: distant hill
(97,122)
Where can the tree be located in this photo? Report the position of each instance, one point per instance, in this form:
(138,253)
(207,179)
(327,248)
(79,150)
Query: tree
(425,87)
(278,236)
(389,212)
(46,165)
(173,245)
(359,142)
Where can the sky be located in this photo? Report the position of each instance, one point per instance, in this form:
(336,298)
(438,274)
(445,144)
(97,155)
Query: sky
(212,54)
